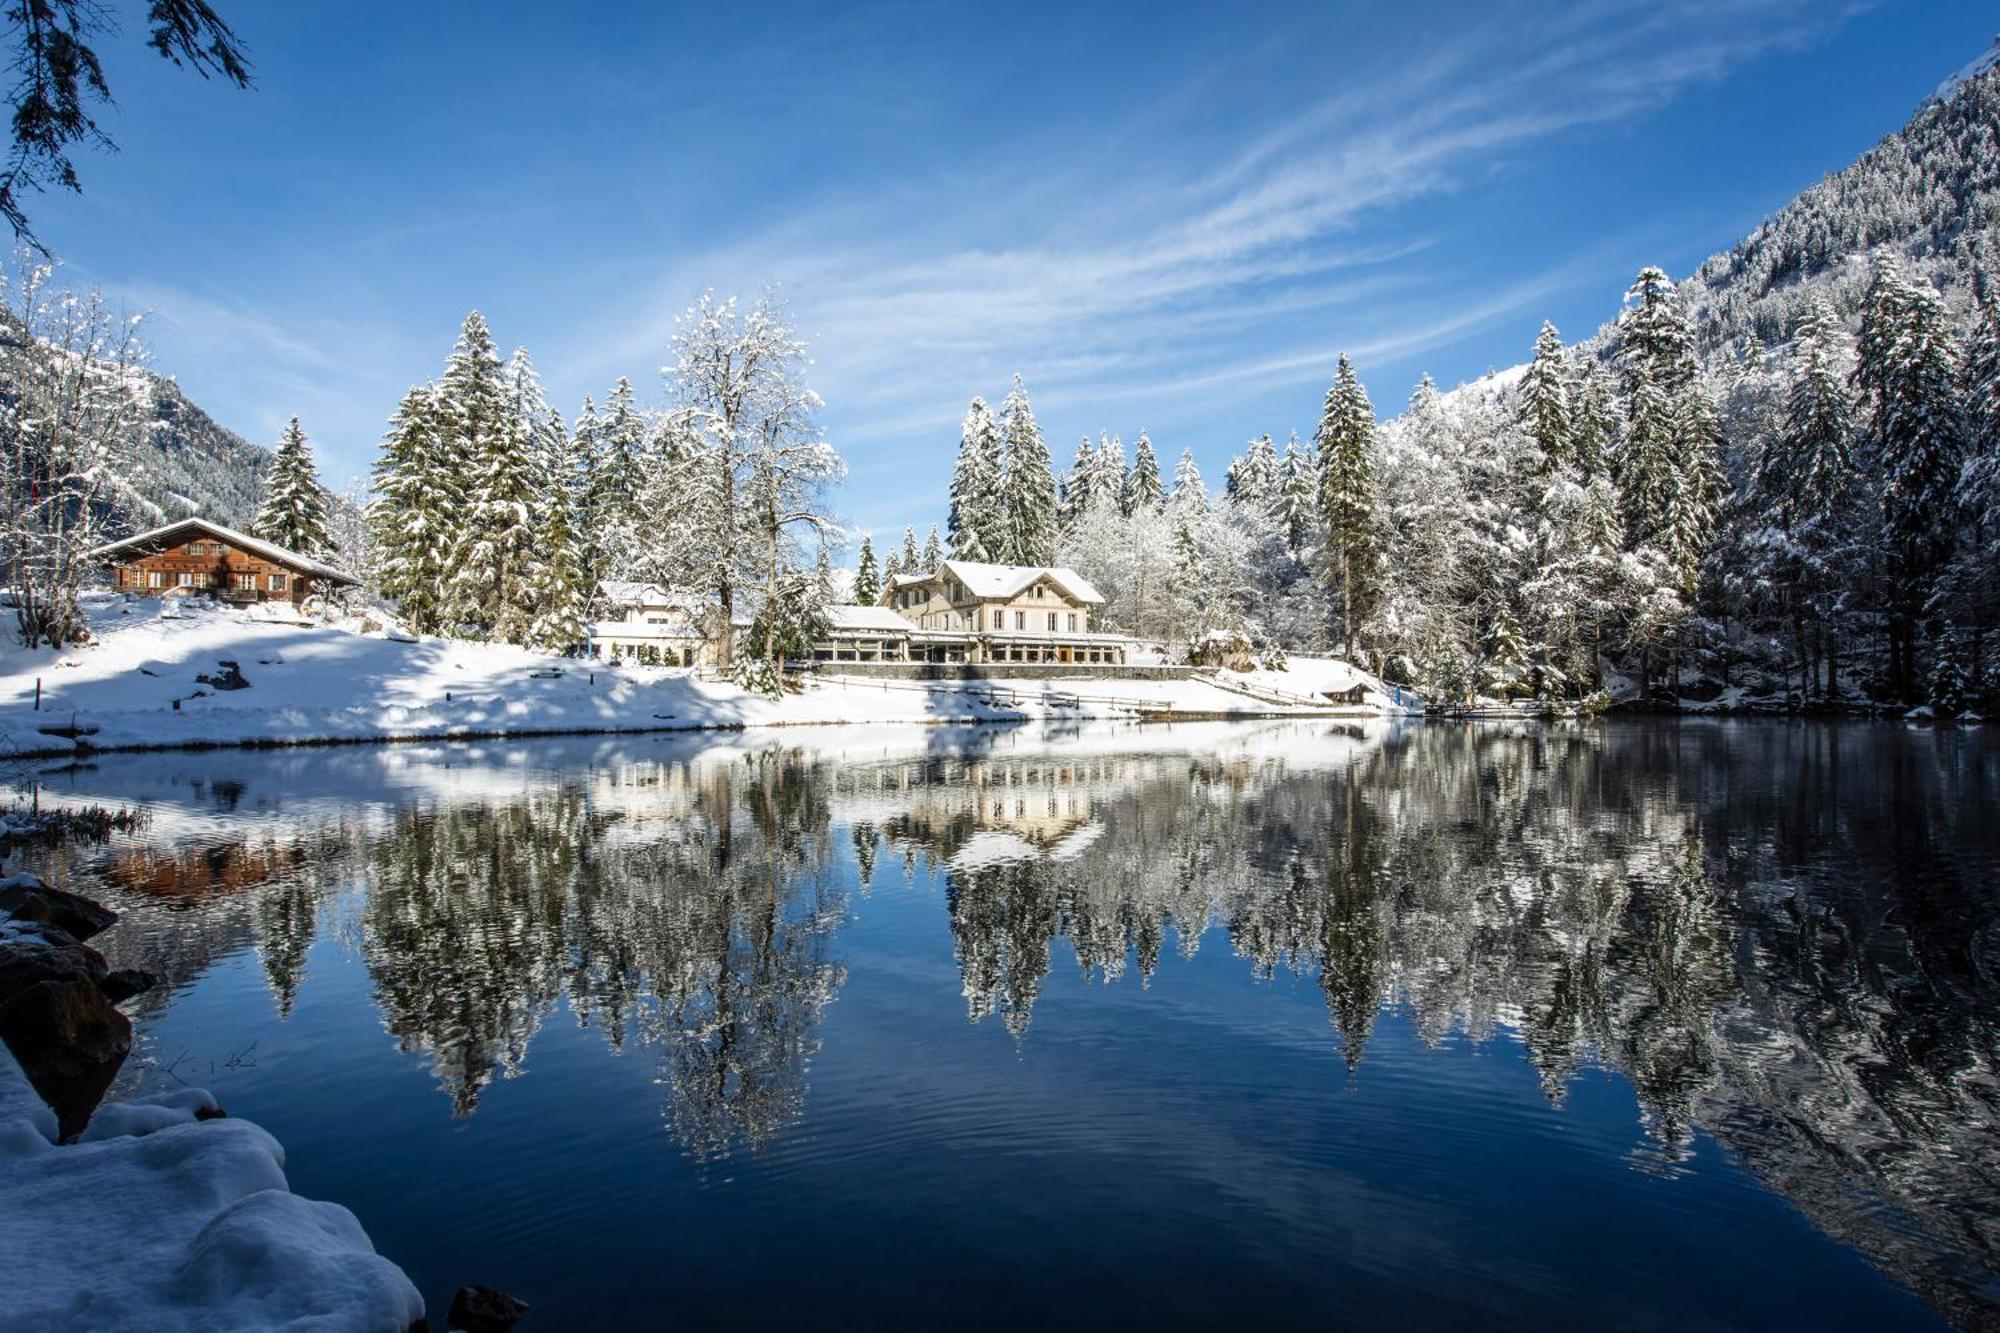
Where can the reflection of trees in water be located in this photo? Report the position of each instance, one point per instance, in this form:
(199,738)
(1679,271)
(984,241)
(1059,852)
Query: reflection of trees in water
(1792,948)
(704,934)
(1777,934)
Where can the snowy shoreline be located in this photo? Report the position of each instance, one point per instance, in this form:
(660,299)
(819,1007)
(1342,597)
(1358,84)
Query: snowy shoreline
(155,1213)
(200,677)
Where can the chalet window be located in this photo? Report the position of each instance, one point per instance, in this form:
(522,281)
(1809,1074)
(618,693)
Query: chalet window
(184,580)
(278,582)
(246,583)
(155,579)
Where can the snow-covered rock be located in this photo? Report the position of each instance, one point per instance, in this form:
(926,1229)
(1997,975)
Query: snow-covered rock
(160,1219)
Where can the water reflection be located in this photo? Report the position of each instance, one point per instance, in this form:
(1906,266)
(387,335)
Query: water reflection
(1783,936)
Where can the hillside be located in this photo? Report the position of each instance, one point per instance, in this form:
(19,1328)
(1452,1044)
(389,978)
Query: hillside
(1928,193)
(185,462)
(179,460)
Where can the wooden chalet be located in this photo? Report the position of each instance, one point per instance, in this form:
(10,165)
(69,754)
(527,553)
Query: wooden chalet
(195,556)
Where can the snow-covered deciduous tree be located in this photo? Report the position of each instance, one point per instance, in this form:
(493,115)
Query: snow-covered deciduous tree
(66,418)
(741,465)
(294,512)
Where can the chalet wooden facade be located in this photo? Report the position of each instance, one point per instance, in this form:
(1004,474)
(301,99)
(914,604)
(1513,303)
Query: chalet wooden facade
(196,557)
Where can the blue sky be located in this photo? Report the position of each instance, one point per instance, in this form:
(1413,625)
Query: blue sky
(1169,217)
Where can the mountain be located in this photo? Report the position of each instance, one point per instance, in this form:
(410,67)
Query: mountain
(184,462)
(1928,193)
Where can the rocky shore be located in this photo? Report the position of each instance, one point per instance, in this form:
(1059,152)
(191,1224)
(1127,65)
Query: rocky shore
(156,1214)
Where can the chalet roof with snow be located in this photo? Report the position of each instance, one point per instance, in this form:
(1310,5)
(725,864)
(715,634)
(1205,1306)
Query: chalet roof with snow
(989,581)
(173,534)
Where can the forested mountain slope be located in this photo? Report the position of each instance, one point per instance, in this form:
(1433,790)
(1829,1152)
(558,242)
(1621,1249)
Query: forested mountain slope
(184,462)
(172,458)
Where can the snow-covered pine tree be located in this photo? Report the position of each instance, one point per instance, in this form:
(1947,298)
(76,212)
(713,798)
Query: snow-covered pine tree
(1908,376)
(294,512)
(559,593)
(933,551)
(1506,665)
(1593,419)
(613,517)
(1699,487)
(1803,472)
(415,515)
(1028,491)
(974,523)
(1077,486)
(1971,592)
(1653,330)
(1252,480)
(1543,404)
(1656,351)
(867,579)
(1109,482)
(1647,472)
(587,442)
(494,553)
(1143,489)
(913,558)
(1347,501)
(1190,491)
(1298,500)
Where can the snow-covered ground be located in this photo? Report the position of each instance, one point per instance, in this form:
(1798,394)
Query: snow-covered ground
(318,682)
(159,1219)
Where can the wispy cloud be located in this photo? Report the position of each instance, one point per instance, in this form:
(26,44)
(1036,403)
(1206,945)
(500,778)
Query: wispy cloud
(1141,276)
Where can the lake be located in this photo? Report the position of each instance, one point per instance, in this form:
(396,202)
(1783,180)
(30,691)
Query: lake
(1630,1024)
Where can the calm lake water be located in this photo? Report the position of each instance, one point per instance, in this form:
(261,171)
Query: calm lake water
(1640,1025)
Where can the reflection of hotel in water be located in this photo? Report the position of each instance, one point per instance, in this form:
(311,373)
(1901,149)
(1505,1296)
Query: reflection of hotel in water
(982,811)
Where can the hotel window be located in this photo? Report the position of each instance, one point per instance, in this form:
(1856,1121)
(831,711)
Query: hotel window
(1020,620)
(1072,622)
(1052,622)
(999,620)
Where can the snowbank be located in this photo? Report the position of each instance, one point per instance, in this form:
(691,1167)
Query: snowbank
(1317,677)
(140,685)
(159,1219)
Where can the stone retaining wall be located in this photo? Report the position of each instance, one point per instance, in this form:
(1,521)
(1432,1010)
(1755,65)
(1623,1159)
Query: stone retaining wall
(1001,671)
